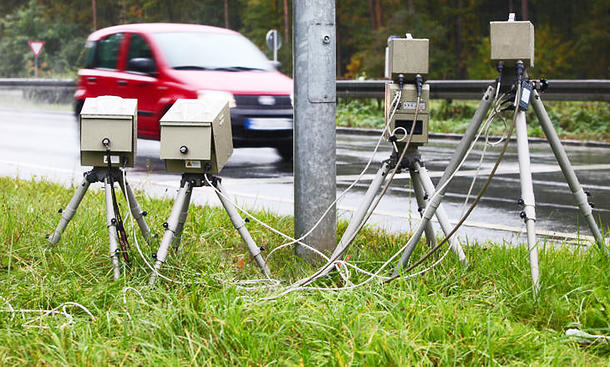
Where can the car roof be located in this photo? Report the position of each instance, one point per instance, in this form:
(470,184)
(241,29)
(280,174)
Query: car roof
(156,28)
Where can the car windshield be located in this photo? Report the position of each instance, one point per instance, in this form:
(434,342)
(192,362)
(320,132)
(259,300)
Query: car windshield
(211,51)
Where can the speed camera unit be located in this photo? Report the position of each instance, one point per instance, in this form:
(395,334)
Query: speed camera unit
(401,121)
(512,41)
(407,56)
(108,123)
(196,136)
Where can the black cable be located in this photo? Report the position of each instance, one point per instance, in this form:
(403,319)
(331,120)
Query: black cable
(419,83)
(122,234)
(500,68)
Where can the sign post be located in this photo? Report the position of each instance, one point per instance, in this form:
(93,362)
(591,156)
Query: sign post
(36,47)
(274,42)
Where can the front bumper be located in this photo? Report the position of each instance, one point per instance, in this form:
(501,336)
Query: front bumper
(267,135)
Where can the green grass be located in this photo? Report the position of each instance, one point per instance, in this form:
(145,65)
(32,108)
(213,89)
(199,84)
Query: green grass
(572,120)
(484,314)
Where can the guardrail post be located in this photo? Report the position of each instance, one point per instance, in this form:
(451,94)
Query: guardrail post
(314,59)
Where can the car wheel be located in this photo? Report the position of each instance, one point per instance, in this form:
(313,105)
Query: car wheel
(78,106)
(285,152)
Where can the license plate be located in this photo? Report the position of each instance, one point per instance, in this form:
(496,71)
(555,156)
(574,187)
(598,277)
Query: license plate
(261,123)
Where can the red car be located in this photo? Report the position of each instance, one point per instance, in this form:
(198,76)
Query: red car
(159,63)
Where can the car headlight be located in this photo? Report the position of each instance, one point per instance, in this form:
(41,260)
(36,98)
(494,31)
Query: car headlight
(218,94)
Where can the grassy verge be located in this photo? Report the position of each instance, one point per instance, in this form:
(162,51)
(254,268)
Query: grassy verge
(481,315)
(572,120)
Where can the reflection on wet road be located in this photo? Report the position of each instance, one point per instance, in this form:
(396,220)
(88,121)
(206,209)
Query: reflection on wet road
(45,144)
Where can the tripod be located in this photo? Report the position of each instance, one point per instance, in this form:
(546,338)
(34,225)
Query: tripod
(108,176)
(424,189)
(175,224)
(528,202)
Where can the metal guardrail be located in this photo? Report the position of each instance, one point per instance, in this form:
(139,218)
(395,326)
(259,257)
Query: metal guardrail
(19,83)
(558,90)
(565,90)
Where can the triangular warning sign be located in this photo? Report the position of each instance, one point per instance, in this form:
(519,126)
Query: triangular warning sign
(36,46)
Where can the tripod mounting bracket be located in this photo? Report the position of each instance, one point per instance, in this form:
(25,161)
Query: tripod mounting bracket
(198,179)
(411,157)
(99,174)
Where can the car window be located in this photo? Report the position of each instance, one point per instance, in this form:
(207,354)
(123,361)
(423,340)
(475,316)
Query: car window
(90,54)
(138,48)
(210,51)
(107,51)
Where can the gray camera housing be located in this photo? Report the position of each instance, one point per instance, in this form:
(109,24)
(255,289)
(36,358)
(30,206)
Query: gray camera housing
(512,41)
(407,56)
(195,133)
(112,118)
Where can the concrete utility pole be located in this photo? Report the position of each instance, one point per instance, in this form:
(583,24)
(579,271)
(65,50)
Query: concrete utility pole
(314,65)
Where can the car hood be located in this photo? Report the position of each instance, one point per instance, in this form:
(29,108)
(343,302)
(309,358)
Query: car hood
(236,82)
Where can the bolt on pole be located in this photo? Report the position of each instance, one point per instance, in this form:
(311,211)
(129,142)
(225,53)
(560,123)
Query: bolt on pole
(314,65)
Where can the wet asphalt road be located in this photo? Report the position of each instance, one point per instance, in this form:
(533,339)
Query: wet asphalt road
(45,144)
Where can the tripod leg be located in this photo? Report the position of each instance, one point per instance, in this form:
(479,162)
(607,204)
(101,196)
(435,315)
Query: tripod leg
(460,152)
(568,171)
(356,220)
(183,214)
(527,195)
(240,225)
(69,211)
(136,211)
(112,232)
(170,230)
(441,215)
(421,204)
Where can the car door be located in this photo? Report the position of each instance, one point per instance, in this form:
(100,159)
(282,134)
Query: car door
(140,81)
(102,78)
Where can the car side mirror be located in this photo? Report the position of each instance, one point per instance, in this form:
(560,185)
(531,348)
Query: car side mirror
(142,65)
(276,64)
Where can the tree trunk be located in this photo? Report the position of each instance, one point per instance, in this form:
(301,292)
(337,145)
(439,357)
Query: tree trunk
(226,13)
(411,7)
(524,12)
(511,6)
(378,13)
(286,22)
(461,72)
(372,13)
(93,8)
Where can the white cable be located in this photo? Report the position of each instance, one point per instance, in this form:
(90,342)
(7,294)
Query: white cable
(135,240)
(324,270)
(133,290)
(405,134)
(46,313)
(290,289)
(486,126)
(345,263)
(393,105)
(230,200)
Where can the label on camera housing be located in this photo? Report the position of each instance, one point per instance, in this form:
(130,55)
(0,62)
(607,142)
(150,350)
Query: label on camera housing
(114,159)
(410,105)
(192,164)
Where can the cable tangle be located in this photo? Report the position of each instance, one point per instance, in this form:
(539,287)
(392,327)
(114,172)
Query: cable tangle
(345,268)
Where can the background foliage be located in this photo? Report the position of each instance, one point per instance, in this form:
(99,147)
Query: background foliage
(571,36)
